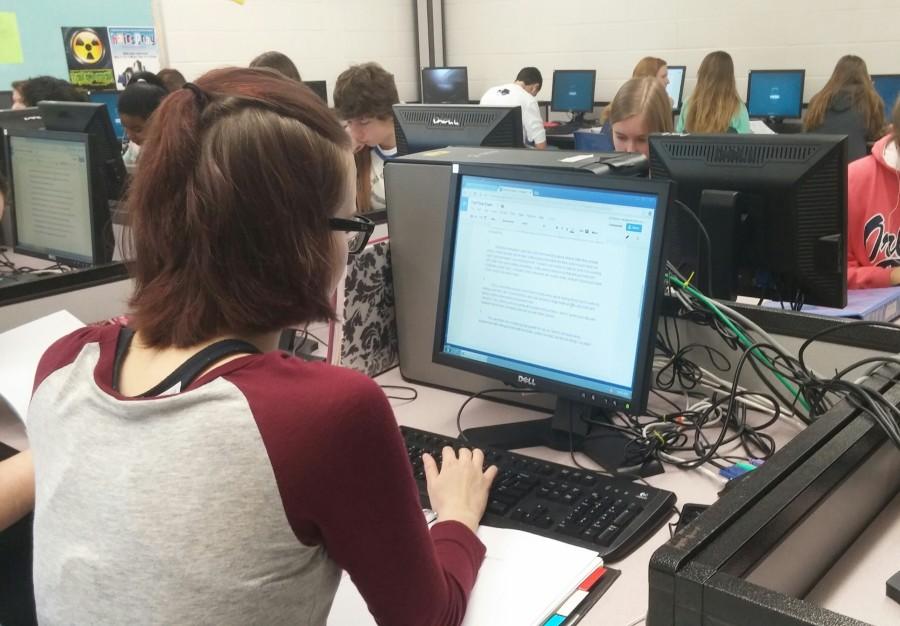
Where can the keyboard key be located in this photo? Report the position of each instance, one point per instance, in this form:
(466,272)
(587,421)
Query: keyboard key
(607,536)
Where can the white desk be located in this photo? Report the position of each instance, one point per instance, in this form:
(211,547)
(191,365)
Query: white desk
(626,600)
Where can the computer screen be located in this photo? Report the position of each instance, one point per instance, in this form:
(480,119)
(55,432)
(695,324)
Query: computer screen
(775,93)
(420,127)
(445,85)
(888,87)
(320,87)
(6,99)
(550,281)
(51,196)
(774,207)
(573,90)
(111,100)
(675,88)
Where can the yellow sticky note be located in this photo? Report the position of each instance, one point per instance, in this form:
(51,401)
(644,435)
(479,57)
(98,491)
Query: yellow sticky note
(10,46)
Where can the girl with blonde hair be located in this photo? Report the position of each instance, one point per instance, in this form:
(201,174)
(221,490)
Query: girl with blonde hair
(848,105)
(714,106)
(654,67)
(641,107)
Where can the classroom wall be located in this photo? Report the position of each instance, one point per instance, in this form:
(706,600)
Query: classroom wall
(323,38)
(40,22)
(495,38)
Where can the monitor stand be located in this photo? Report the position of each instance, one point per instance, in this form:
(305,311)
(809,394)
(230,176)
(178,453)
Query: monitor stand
(572,426)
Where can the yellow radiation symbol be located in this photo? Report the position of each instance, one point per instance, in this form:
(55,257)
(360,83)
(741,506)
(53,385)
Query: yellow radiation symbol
(87,47)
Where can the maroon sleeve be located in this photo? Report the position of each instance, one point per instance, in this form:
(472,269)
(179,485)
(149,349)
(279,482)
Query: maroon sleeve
(63,352)
(346,482)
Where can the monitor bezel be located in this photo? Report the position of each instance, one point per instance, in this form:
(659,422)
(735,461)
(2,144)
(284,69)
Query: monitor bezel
(593,74)
(400,128)
(653,289)
(464,68)
(799,112)
(676,106)
(96,201)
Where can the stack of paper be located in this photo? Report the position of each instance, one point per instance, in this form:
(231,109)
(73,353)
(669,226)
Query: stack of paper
(523,579)
(22,349)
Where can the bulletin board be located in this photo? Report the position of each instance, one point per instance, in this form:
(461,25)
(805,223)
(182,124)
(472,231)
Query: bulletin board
(39,22)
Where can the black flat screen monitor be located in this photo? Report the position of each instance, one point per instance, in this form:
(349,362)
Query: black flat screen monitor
(17,119)
(59,210)
(550,281)
(573,90)
(775,93)
(445,85)
(421,127)
(91,118)
(6,100)
(320,87)
(675,88)
(888,87)
(774,206)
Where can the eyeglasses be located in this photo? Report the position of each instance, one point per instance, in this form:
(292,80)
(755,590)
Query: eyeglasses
(358,229)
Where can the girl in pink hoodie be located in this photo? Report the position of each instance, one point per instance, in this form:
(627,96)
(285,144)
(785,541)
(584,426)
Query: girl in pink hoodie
(873,214)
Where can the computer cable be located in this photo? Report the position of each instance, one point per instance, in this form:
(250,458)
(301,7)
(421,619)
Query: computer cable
(705,233)
(412,397)
(480,394)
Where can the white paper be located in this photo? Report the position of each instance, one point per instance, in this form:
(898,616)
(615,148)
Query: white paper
(523,579)
(576,158)
(21,350)
(759,127)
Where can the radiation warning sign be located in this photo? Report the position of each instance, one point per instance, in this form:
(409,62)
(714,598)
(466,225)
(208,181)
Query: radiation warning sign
(88,57)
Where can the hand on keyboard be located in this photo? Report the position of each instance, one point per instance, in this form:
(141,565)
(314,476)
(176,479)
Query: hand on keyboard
(459,489)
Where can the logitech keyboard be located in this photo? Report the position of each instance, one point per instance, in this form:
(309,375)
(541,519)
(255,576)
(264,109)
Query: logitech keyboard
(610,515)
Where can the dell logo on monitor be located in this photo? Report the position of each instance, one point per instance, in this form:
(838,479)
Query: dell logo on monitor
(527,380)
(440,121)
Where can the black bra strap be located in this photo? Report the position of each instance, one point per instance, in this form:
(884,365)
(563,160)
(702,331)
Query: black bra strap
(187,371)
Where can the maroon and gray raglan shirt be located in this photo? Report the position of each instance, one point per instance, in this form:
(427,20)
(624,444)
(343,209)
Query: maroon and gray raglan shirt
(238,500)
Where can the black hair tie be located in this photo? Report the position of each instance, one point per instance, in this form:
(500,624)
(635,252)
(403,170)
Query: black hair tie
(199,95)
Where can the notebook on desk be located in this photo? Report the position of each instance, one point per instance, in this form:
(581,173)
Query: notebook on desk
(524,580)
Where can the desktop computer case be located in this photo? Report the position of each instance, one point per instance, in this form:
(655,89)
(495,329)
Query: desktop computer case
(717,570)
(418,186)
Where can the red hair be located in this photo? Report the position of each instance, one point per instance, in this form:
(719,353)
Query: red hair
(229,209)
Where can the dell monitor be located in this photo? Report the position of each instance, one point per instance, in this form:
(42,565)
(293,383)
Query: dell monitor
(573,91)
(776,94)
(775,210)
(675,88)
(6,100)
(420,127)
(111,100)
(59,210)
(445,85)
(320,87)
(550,281)
(888,87)
(91,118)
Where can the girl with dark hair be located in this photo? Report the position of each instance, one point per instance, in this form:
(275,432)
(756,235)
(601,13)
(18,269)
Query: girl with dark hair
(143,95)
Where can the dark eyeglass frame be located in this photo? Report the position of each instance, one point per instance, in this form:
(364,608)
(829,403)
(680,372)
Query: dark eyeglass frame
(356,224)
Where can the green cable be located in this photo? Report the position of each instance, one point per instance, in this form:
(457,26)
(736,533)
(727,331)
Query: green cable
(756,352)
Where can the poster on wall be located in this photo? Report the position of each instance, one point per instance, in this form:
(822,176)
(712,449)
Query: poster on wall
(89,57)
(134,50)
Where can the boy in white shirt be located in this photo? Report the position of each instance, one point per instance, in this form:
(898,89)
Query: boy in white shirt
(522,93)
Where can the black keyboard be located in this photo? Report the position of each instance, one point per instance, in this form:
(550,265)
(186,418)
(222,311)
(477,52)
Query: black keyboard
(610,515)
(566,128)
